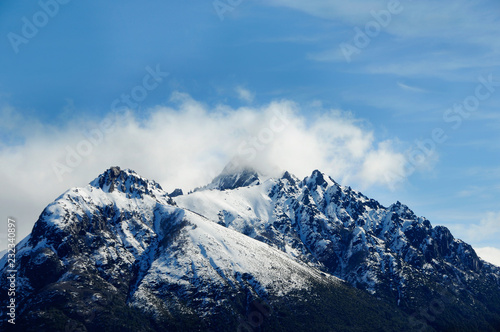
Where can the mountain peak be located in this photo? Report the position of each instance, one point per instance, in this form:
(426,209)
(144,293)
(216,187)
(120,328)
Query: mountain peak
(126,181)
(318,179)
(289,177)
(284,241)
(234,176)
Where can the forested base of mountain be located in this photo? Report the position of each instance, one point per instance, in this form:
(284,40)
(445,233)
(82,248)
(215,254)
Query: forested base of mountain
(321,308)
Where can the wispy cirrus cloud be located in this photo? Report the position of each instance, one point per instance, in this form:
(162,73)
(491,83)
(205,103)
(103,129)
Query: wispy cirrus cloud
(451,36)
(487,191)
(446,19)
(411,88)
(444,66)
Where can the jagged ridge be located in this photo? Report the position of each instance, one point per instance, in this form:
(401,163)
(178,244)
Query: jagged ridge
(388,251)
(118,254)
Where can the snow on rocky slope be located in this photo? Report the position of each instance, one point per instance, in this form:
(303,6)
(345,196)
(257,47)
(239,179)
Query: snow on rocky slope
(120,254)
(387,251)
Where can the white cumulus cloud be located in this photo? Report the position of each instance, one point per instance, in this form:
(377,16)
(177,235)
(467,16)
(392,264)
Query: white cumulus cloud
(487,228)
(489,254)
(185,146)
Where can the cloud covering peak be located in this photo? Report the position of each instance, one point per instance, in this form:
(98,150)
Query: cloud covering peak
(186,145)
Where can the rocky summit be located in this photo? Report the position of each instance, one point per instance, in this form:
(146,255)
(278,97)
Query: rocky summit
(244,253)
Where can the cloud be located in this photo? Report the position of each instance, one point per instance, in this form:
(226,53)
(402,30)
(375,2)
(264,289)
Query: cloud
(345,11)
(489,254)
(333,55)
(185,145)
(244,94)
(447,65)
(485,192)
(295,39)
(417,19)
(410,88)
(454,38)
(487,229)
(383,165)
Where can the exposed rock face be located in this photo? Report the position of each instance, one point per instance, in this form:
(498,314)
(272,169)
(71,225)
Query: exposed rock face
(233,177)
(176,192)
(387,251)
(121,254)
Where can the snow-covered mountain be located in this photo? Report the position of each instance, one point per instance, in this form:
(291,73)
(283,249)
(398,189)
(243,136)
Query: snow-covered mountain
(245,254)
(120,254)
(387,251)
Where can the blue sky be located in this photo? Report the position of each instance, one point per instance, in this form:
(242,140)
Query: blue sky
(230,65)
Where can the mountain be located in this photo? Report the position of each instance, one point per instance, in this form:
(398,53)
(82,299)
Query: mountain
(243,254)
(388,252)
(232,177)
(121,255)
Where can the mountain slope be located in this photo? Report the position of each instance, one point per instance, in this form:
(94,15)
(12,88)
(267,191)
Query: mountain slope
(389,252)
(119,254)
